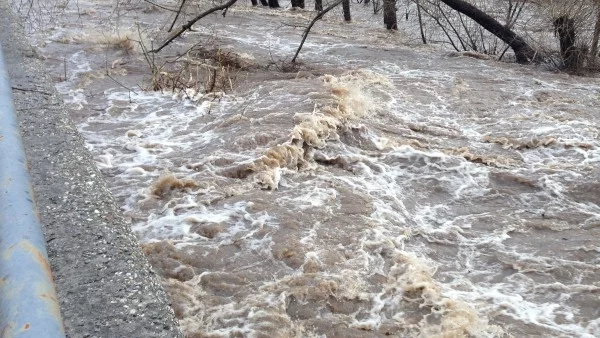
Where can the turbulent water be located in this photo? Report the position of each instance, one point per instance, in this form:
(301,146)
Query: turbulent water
(384,189)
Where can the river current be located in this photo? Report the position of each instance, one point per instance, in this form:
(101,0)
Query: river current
(382,188)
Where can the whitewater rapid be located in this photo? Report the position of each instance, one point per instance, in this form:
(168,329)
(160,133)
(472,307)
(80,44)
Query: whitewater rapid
(383,189)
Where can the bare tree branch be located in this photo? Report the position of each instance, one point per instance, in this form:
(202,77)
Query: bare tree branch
(307,30)
(177,15)
(523,52)
(159,6)
(420,17)
(192,22)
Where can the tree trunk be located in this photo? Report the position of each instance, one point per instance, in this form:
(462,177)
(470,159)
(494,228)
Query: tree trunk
(274,4)
(594,48)
(389,14)
(367,2)
(298,3)
(264,2)
(523,52)
(564,27)
(346,8)
(318,5)
(254,2)
(421,22)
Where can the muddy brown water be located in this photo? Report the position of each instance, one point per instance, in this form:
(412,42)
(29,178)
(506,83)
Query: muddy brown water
(382,189)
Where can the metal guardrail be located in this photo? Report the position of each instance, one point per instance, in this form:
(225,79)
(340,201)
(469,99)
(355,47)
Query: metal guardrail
(28,302)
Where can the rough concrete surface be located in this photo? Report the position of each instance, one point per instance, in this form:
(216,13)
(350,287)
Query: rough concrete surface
(105,285)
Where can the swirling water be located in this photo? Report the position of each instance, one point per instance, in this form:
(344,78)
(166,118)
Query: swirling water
(386,189)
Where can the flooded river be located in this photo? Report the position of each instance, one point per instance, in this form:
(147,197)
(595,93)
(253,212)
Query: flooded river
(383,188)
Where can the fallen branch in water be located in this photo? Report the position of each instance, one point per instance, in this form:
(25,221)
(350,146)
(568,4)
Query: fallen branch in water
(30,90)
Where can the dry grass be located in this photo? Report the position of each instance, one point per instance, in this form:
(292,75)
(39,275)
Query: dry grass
(200,78)
(202,75)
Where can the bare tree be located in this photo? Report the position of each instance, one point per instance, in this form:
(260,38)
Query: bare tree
(524,53)
(298,3)
(318,5)
(564,28)
(476,27)
(389,14)
(594,47)
(420,17)
(346,9)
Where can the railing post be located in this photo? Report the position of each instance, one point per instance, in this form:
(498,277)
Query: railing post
(28,302)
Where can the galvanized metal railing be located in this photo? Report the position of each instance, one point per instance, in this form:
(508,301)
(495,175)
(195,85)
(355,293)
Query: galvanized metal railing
(28,302)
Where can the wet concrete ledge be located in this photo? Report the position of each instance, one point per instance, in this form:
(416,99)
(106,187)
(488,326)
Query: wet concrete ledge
(105,285)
